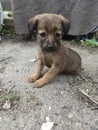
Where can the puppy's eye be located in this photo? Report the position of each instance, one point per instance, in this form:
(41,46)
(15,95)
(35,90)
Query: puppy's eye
(42,34)
(58,34)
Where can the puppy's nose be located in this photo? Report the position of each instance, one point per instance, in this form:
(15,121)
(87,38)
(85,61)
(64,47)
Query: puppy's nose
(50,46)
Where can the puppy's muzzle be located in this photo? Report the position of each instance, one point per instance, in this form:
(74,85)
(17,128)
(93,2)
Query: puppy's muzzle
(51,47)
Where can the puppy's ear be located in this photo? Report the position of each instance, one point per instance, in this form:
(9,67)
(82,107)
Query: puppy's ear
(65,24)
(65,27)
(32,25)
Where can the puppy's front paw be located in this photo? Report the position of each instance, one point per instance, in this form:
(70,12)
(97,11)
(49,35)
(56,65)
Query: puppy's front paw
(37,84)
(32,78)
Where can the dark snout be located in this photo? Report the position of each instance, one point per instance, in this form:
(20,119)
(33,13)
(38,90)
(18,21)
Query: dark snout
(51,47)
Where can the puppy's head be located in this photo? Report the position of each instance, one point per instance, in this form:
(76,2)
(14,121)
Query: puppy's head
(49,30)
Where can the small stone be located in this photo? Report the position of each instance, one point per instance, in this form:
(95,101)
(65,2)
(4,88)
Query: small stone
(47,118)
(50,108)
(71,114)
(62,92)
(7,105)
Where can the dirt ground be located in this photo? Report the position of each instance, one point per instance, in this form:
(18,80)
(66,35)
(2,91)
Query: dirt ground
(61,100)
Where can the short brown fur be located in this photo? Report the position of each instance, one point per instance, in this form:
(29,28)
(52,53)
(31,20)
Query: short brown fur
(49,29)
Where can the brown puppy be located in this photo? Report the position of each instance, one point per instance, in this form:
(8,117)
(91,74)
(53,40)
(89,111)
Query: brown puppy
(49,29)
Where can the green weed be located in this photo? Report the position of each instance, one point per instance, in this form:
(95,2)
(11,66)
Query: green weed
(12,96)
(91,42)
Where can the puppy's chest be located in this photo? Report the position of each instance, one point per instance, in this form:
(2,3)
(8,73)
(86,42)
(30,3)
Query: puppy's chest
(48,60)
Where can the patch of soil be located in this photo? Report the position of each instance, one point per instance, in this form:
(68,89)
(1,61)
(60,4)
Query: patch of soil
(59,100)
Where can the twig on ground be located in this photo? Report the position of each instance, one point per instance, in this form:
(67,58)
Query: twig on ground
(89,97)
(6,58)
(11,89)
